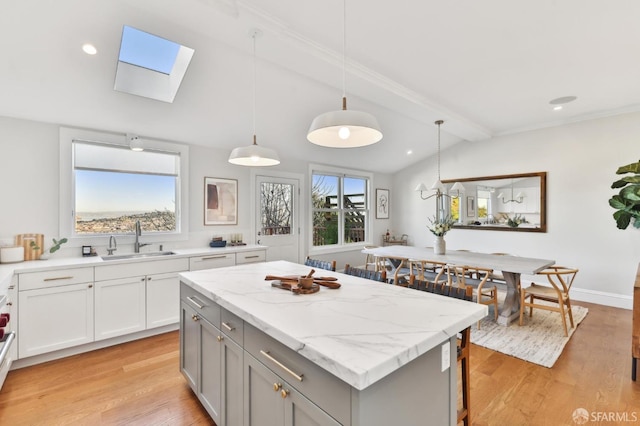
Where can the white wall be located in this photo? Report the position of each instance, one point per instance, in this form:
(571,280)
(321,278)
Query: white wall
(29,191)
(580,160)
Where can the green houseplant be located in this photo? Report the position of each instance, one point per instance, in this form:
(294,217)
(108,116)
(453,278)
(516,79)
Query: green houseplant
(627,201)
(54,248)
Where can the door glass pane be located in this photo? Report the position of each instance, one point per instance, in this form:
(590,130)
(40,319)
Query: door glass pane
(276,208)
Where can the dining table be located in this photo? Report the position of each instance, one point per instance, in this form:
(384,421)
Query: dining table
(511,266)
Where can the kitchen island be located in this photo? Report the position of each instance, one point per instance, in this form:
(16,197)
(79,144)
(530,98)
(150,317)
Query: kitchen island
(364,354)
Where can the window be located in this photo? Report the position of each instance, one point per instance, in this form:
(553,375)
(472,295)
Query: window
(340,208)
(106,187)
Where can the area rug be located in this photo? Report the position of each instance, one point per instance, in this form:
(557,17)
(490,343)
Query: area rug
(540,339)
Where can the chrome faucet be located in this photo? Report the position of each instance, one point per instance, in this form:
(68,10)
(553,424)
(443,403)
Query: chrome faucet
(111,249)
(138,244)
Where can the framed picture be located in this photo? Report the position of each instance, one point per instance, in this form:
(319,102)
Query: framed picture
(382,203)
(471,206)
(220,201)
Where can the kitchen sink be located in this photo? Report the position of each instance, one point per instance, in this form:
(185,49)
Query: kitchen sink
(138,255)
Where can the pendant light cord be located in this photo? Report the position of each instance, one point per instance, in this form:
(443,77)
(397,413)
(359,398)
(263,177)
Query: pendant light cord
(344,54)
(254,88)
(439,123)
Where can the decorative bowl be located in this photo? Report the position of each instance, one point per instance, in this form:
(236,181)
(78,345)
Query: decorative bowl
(218,243)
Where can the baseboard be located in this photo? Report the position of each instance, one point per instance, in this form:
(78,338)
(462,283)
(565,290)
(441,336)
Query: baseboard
(63,353)
(602,298)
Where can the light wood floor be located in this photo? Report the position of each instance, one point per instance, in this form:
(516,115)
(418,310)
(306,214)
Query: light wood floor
(139,383)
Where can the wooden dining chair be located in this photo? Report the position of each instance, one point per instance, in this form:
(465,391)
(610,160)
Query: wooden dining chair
(428,270)
(561,279)
(397,269)
(329,265)
(486,292)
(464,337)
(370,260)
(366,273)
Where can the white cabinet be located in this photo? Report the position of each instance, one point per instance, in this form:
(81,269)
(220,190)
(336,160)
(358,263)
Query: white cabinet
(212,261)
(120,307)
(54,314)
(130,297)
(163,299)
(219,260)
(252,256)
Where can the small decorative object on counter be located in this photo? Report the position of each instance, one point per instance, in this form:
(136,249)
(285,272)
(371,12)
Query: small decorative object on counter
(47,253)
(217,242)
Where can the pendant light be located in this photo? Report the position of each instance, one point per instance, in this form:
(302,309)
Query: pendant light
(438,186)
(344,128)
(254,155)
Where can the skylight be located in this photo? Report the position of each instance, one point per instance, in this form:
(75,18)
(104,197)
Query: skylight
(148,51)
(150,66)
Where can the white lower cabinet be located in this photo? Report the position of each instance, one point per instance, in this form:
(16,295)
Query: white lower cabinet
(120,307)
(54,318)
(163,299)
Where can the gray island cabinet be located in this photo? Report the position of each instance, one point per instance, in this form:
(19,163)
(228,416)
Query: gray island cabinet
(364,354)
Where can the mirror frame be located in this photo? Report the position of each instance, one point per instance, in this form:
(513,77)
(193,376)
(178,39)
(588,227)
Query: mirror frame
(543,202)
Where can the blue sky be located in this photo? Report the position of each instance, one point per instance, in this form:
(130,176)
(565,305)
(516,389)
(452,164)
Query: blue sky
(148,51)
(108,191)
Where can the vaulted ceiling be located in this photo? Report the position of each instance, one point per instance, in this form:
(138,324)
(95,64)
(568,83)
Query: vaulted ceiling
(487,68)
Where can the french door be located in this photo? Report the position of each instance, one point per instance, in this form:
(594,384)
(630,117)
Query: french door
(277,221)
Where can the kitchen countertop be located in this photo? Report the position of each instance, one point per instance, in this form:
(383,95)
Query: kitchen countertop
(7,270)
(360,332)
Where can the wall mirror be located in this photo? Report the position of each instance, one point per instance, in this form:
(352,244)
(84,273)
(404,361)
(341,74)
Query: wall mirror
(515,202)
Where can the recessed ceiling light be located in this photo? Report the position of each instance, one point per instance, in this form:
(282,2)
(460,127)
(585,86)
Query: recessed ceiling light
(409,152)
(557,107)
(89,49)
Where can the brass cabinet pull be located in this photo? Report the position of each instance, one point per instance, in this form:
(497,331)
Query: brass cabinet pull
(281,365)
(284,393)
(228,327)
(190,299)
(195,317)
(213,257)
(277,387)
(252,257)
(220,338)
(58,278)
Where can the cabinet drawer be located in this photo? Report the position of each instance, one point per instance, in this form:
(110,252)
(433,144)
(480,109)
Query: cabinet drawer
(201,304)
(250,256)
(232,326)
(324,389)
(35,280)
(140,268)
(212,261)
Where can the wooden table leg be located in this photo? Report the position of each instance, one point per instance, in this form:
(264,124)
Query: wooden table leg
(510,309)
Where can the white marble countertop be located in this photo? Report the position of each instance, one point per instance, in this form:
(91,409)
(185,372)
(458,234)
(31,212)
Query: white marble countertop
(360,332)
(7,270)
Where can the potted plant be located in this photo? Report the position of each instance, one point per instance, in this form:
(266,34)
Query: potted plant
(439,227)
(627,201)
(54,248)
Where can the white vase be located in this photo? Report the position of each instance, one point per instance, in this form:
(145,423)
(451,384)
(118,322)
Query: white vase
(439,245)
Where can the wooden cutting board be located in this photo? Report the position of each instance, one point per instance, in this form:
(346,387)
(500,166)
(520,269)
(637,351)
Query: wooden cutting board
(25,240)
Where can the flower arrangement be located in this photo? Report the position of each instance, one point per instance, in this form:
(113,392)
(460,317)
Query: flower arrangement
(442,226)
(515,221)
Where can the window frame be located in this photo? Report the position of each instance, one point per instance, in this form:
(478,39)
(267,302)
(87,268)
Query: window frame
(67,188)
(341,174)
